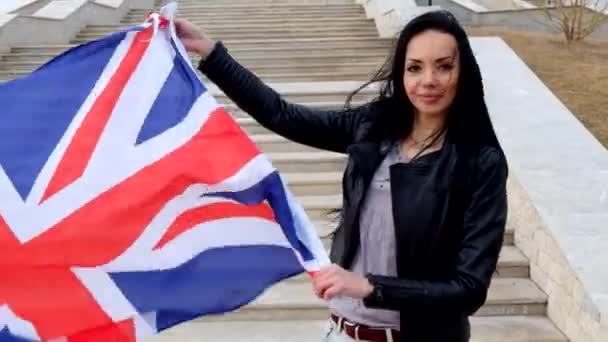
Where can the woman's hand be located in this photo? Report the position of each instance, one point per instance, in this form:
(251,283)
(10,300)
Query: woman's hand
(333,280)
(193,38)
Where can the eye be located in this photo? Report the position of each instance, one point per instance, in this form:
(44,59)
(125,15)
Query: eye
(414,68)
(446,67)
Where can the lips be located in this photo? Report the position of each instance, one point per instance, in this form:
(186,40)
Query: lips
(430,98)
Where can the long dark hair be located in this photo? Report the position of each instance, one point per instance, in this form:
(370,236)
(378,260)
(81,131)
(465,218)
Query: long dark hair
(468,119)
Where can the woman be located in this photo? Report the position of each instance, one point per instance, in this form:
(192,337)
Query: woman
(424,205)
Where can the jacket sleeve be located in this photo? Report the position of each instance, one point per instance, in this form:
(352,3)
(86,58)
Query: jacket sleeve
(328,130)
(484,226)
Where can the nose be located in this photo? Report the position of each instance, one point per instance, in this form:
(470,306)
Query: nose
(429,78)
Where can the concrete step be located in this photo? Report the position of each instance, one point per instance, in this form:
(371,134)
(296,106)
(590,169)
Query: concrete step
(48,49)
(315,45)
(329,43)
(327,66)
(273,143)
(331,105)
(324,229)
(316,76)
(321,52)
(263,73)
(308,162)
(253,19)
(290,300)
(359,69)
(253,127)
(483,329)
(221,29)
(316,97)
(337,43)
(225,9)
(307,61)
(314,183)
(280,20)
(262,23)
(250,56)
(318,208)
(16,60)
(511,262)
(265,2)
(255,15)
(367,33)
(313,91)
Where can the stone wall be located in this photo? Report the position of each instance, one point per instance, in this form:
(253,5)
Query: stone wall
(570,307)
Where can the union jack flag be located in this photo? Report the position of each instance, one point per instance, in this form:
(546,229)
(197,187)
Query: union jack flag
(130,201)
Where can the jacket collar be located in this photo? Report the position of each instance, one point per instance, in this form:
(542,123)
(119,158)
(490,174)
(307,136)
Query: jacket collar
(368,155)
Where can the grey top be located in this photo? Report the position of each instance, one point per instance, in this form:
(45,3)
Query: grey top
(377,252)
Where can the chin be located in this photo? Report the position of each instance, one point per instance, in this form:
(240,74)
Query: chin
(426,109)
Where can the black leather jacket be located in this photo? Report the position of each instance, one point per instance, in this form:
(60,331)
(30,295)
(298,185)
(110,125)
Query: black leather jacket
(449,216)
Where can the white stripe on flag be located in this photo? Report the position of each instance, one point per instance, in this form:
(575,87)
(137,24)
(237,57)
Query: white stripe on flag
(249,175)
(145,325)
(16,325)
(229,232)
(106,293)
(307,234)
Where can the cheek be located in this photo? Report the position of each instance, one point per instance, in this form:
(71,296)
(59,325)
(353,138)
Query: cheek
(451,88)
(409,85)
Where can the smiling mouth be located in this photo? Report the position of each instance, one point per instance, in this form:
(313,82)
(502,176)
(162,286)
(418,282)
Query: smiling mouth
(430,97)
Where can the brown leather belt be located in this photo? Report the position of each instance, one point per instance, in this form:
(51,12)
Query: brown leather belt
(364,333)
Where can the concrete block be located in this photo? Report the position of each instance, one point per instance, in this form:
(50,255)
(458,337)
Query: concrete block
(9,6)
(61,20)
(60,9)
(110,3)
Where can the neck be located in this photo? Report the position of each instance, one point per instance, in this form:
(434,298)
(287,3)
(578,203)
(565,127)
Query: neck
(426,126)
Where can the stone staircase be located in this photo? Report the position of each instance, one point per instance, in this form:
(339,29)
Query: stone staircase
(314,54)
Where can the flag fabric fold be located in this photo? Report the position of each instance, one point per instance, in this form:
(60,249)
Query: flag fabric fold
(130,200)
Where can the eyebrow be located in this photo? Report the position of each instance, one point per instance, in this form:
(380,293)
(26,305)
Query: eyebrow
(438,60)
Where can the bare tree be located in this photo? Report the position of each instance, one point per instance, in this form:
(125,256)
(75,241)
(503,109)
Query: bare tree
(576,19)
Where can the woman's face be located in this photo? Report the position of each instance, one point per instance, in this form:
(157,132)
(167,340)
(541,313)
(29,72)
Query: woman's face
(431,72)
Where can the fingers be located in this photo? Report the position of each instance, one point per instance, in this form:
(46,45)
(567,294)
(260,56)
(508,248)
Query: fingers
(179,26)
(333,291)
(328,282)
(320,284)
(329,287)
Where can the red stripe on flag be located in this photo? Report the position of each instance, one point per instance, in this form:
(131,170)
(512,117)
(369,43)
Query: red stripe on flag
(52,299)
(80,149)
(7,238)
(119,332)
(196,216)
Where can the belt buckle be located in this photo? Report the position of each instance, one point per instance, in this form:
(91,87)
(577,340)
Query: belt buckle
(353,325)
(357,332)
